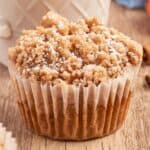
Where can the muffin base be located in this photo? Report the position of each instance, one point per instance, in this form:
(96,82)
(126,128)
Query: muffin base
(90,122)
(69,112)
(106,131)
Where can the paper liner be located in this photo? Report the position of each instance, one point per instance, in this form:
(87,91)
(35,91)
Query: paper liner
(6,139)
(70,112)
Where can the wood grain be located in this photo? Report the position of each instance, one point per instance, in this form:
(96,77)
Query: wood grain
(133,135)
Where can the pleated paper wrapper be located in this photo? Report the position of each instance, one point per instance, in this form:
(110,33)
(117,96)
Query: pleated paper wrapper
(7,142)
(70,112)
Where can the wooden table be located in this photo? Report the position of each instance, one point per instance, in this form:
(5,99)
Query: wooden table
(134,134)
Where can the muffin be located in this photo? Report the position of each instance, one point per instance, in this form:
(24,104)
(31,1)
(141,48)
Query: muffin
(74,79)
(7,142)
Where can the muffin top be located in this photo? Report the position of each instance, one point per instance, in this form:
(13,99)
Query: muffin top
(75,52)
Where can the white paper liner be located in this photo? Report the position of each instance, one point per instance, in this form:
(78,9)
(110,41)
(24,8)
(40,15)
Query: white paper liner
(6,139)
(72,112)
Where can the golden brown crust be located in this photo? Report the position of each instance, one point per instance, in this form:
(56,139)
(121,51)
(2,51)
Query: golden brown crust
(81,52)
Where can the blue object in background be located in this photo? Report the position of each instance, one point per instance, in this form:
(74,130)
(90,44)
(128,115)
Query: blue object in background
(132,3)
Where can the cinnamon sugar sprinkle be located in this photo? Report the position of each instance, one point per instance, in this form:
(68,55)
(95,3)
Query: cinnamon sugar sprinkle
(75,52)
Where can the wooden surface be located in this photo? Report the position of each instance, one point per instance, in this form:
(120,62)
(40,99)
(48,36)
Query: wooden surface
(134,134)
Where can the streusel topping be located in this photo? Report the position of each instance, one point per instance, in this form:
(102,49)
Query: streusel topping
(75,52)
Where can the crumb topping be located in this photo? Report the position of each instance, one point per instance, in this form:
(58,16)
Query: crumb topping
(76,52)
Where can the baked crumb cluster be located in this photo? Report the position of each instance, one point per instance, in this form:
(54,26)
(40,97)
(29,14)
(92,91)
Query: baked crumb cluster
(75,52)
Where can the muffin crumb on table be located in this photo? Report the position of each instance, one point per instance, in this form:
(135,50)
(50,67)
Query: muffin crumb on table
(7,141)
(75,52)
